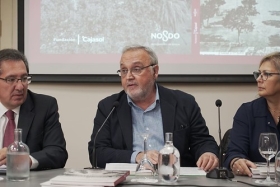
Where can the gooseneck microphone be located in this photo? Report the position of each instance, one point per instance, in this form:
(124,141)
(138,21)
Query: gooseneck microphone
(220,172)
(219,104)
(94,159)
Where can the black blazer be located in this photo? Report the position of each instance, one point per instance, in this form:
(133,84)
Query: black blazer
(180,115)
(251,119)
(42,130)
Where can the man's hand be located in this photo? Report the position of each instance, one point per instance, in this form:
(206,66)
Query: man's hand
(152,155)
(207,161)
(3,155)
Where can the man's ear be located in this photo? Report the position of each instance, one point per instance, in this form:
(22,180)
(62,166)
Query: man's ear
(156,69)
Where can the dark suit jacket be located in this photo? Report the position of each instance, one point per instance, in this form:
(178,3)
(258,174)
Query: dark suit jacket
(250,120)
(180,115)
(42,131)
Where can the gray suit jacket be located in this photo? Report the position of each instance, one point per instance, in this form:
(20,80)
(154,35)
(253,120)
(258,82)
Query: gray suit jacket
(180,115)
(42,131)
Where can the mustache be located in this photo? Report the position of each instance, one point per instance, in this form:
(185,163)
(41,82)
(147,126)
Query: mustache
(18,93)
(130,83)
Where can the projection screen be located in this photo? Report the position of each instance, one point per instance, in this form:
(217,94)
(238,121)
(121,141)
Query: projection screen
(192,38)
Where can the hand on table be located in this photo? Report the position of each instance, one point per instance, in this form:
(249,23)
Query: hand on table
(207,161)
(240,166)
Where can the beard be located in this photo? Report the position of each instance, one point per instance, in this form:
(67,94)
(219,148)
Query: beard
(141,93)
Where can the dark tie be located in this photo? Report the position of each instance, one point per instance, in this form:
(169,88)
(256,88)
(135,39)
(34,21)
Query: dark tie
(9,132)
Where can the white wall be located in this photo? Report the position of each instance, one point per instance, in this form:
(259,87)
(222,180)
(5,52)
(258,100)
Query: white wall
(78,102)
(8,15)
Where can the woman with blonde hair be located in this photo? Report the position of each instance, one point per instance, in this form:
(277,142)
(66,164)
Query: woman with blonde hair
(255,117)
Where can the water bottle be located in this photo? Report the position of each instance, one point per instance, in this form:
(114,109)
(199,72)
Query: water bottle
(277,168)
(18,162)
(169,161)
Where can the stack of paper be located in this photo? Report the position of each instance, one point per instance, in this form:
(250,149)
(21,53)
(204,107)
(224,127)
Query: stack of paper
(3,169)
(132,169)
(87,177)
(126,167)
(192,171)
(261,172)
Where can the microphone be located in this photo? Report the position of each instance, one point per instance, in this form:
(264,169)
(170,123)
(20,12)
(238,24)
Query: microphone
(94,159)
(220,172)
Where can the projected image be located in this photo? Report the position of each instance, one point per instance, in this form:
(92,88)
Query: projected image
(239,27)
(105,27)
(189,36)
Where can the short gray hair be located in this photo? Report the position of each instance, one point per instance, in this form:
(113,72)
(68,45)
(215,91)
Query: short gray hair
(152,54)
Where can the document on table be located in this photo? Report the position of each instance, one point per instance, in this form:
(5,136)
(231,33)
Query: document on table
(132,168)
(3,169)
(121,166)
(87,178)
(126,167)
(191,171)
(261,172)
(263,164)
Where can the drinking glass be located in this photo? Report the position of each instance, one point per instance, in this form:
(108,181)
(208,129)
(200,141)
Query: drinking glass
(268,146)
(145,164)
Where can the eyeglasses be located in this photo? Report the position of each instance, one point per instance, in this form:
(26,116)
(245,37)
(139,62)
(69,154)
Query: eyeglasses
(133,71)
(264,75)
(13,80)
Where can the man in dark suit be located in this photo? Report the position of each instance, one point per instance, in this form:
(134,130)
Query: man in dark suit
(146,107)
(36,114)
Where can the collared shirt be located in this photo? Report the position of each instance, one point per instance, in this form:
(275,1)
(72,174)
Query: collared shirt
(3,124)
(149,122)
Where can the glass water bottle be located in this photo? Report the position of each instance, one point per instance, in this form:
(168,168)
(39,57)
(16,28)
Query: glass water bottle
(169,161)
(277,168)
(18,162)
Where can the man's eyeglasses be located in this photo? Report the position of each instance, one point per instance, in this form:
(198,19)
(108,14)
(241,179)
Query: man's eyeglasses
(13,80)
(133,71)
(264,75)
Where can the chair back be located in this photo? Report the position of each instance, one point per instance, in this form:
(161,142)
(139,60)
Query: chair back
(224,143)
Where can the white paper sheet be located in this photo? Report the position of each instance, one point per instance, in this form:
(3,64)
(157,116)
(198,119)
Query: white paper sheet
(191,171)
(132,168)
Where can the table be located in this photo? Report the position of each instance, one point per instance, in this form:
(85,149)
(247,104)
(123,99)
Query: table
(37,177)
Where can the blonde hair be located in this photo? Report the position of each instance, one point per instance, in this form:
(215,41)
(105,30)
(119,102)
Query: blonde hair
(274,58)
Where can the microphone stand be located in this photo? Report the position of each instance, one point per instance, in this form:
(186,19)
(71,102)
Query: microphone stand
(220,172)
(94,159)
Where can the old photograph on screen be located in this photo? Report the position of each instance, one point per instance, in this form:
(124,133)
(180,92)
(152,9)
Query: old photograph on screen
(189,36)
(239,27)
(105,27)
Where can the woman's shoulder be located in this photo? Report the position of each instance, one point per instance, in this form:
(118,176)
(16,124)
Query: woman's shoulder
(256,102)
